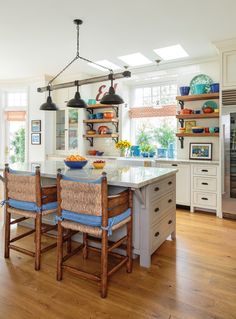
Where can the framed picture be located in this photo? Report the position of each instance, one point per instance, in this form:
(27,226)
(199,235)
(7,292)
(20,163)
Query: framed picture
(200,151)
(36,125)
(188,126)
(36,138)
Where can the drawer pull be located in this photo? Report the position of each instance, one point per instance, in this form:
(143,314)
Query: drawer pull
(204,198)
(157,234)
(156,209)
(156,189)
(170,200)
(174,164)
(204,183)
(170,222)
(205,170)
(169,183)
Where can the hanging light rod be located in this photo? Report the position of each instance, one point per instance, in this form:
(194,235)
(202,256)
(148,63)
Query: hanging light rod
(116,76)
(112,97)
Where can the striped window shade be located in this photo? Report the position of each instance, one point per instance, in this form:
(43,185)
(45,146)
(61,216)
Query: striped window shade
(15,115)
(139,112)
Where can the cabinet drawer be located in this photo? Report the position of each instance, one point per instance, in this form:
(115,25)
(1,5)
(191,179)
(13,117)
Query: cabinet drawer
(162,230)
(205,170)
(158,189)
(204,199)
(160,207)
(204,183)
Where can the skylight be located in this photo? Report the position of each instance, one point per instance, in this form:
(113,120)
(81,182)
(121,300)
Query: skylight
(135,59)
(105,63)
(172,52)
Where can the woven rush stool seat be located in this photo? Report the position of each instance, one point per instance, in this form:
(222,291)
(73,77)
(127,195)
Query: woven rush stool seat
(24,196)
(85,206)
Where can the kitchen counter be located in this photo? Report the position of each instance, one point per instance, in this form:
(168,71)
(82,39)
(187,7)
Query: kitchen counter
(154,189)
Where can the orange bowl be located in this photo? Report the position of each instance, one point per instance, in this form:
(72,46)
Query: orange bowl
(99,165)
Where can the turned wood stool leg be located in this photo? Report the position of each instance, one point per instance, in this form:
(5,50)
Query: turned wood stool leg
(59,250)
(85,243)
(129,264)
(7,235)
(38,241)
(104,264)
(69,241)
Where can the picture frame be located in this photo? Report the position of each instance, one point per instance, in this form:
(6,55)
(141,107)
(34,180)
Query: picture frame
(35,138)
(36,126)
(200,151)
(188,126)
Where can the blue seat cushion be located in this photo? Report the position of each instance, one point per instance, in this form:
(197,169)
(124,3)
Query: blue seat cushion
(31,206)
(95,221)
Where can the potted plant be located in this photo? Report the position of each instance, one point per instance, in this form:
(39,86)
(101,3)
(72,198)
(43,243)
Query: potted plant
(147,150)
(123,146)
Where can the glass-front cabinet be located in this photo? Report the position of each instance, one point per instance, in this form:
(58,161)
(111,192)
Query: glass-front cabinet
(67,128)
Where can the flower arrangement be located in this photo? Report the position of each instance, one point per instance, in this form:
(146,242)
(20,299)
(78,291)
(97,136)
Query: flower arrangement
(123,145)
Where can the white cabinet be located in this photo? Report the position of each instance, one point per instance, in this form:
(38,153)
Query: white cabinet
(182,181)
(229,69)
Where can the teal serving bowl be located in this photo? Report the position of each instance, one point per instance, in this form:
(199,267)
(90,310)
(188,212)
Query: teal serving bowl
(75,164)
(200,88)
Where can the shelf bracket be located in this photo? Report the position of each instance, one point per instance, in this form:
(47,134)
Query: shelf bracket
(181,139)
(90,111)
(115,139)
(181,104)
(116,109)
(90,125)
(116,124)
(181,121)
(90,139)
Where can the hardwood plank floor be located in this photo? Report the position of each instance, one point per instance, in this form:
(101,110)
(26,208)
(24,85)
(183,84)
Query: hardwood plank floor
(192,278)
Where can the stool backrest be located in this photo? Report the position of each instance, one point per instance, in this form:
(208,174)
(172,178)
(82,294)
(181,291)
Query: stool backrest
(22,187)
(82,197)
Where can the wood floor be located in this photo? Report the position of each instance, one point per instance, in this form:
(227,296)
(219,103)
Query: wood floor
(192,278)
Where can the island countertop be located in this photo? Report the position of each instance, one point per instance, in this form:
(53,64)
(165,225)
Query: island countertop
(127,176)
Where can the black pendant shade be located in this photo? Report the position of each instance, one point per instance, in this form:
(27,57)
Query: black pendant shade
(111,98)
(49,105)
(77,102)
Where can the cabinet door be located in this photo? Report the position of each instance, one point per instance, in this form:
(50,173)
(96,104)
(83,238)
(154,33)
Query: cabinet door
(72,129)
(182,182)
(229,69)
(60,131)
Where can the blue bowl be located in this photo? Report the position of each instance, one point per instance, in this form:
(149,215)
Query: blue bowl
(197,130)
(99,115)
(184,90)
(92,116)
(215,87)
(200,88)
(76,165)
(99,153)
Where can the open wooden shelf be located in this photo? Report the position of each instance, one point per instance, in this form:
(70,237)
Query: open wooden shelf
(198,116)
(101,135)
(196,134)
(116,120)
(197,97)
(100,106)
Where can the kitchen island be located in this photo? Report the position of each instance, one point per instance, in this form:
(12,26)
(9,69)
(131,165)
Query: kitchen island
(154,217)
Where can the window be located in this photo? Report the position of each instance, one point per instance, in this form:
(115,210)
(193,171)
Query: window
(153,121)
(158,95)
(16,99)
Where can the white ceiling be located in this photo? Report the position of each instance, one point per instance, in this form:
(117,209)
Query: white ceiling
(38,37)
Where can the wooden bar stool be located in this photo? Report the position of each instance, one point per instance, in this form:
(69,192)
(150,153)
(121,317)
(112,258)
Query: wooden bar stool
(24,196)
(86,207)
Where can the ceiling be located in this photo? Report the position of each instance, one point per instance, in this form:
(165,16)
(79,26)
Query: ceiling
(39,37)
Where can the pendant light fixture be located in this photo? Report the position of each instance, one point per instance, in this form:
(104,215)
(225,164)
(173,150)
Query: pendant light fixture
(111,97)
(77,102)
(49,105)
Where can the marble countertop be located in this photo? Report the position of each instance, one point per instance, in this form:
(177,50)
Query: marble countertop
(127,176)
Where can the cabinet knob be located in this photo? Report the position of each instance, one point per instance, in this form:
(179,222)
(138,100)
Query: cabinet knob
(156,209)
(157,234)
(170,222)
(156,189)
(174,164)
(205,170)
(170,200)
(204,198)
(204,183)
(169,183)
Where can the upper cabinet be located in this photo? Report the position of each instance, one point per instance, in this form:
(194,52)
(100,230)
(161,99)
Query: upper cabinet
(227,51)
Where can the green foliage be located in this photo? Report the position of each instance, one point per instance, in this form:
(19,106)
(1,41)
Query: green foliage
(18,145)
(147,148)
(164,135)
(143,137)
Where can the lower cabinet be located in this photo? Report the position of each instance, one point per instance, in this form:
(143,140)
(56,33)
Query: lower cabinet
(182,181)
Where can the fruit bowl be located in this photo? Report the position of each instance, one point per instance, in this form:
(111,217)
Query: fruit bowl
(75,164)
(197,129)
(99,164)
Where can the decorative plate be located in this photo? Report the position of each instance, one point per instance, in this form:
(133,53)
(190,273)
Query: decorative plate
(211,104)
(201,79)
